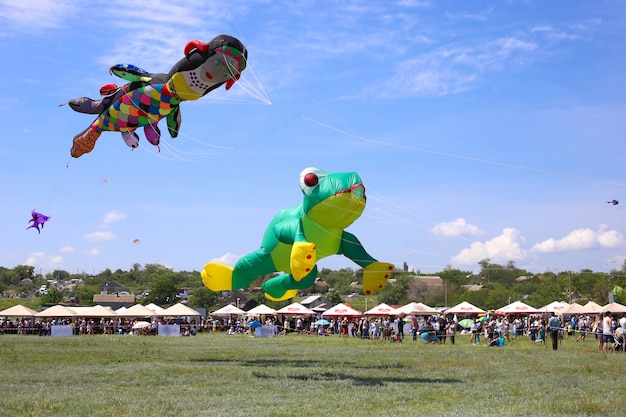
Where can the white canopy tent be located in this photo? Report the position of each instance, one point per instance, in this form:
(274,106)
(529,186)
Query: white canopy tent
(416,309)
(592,308)
(614,308)
(381,309)
(156,308)
(464,308)
(179,310)
(261,310)
(94,311)
(18,311)
(228,310)
(517,307)
(342,310)
(296,309)
(137,310)
(557,307)
(574,308)
(56,311)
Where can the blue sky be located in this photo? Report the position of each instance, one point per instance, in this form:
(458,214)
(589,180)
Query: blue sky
(481,130)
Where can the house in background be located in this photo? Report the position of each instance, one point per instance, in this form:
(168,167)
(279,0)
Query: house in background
(113,287)
(114,301)
(317,303)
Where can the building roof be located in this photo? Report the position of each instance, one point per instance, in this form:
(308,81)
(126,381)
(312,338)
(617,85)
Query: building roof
(113,298)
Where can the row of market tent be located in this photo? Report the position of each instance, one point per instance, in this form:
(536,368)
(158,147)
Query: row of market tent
(339,310)
(420,309)
(297,309)
(135,311)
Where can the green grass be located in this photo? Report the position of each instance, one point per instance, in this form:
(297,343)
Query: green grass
(220,375)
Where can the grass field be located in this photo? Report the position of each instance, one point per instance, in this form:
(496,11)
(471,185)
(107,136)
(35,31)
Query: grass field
(220,375)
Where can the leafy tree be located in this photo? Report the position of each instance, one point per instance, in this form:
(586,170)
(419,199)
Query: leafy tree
(162,291)
(53,296)
(396,292)
(339,280)
(204,297)
(9,277)
(454,277)
(24,271)
(84,294)
(58,275)
(333,296)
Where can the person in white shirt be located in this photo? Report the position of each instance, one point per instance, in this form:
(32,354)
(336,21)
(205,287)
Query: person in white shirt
(607,330)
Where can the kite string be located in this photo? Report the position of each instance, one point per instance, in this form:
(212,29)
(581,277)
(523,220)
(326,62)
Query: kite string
(262,96)
(467,158)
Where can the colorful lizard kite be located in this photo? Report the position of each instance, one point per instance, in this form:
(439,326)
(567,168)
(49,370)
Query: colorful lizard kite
(150,97)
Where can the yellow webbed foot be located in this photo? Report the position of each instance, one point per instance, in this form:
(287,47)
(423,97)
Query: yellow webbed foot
(288,294)
(217,277)
(375,276)
(302,260)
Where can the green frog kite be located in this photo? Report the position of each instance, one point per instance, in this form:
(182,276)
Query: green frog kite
(298,236)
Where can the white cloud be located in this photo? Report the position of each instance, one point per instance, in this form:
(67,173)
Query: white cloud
(67,249)
(34,14)
(227,259)
(100,236)
(114,216)
(454,69)
(557,34)
(581,239)
(40,259)
(456,228)
(34,258)
(93,251)
(503,248)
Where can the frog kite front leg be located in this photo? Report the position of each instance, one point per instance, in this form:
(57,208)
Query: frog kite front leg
(299,236)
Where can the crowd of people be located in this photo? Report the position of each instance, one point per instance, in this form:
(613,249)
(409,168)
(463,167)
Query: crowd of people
(89,326)
(609,330)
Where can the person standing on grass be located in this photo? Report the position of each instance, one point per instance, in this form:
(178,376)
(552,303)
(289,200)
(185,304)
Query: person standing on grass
(607,331)
(299,325)
(622,324)
(475,329)
(555,326)
(400,327)
(452,330)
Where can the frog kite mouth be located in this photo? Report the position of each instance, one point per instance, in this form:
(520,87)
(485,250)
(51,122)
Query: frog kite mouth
(299,236)
(340,209)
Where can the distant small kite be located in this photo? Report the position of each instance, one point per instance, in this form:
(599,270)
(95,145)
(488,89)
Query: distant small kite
(613,202)
(38,220)
(106,181)
(135,241)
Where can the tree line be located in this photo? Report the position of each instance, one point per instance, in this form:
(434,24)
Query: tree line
(493,287)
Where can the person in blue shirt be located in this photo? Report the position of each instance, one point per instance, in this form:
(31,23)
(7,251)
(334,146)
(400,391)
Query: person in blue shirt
(555,326)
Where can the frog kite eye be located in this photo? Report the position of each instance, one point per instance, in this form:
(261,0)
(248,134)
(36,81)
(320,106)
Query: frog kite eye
(299,236)
(310,180)
(148,97)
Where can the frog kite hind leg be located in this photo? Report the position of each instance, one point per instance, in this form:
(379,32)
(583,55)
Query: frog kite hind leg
(299,236)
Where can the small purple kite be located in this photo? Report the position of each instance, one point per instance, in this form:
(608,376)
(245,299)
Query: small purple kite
(38,220)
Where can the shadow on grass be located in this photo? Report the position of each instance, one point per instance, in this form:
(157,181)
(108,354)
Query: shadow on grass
(295,363)
(361,381)
(298,363)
